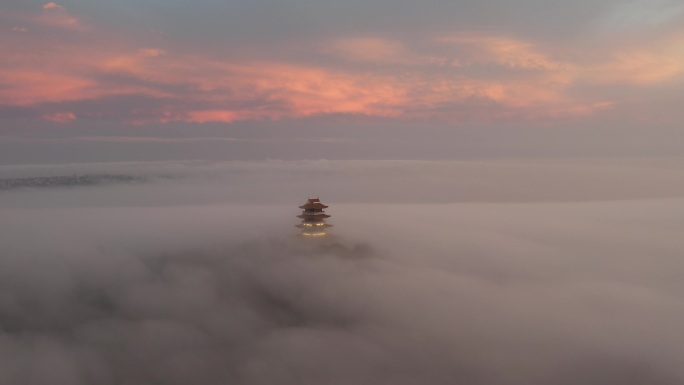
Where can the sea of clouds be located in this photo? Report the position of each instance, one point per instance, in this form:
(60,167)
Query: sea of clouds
(528,272)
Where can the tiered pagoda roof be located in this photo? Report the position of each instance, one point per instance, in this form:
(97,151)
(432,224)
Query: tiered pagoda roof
(313,218)
(313,203)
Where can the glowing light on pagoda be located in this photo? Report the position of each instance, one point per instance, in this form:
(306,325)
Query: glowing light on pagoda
(313,218)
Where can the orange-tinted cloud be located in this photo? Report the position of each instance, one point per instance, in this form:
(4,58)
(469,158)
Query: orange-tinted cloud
(503,50)
(151,52)
(640,66)
(454,77)
(212,116)
(52,5)
(30,86)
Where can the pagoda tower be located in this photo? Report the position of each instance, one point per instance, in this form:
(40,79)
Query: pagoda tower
(313,218)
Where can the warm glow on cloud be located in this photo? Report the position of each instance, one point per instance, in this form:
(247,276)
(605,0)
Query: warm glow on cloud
(640,67)
(451,77)
(211,116)
(310,91)
(151,52)
(504,51)
(31,86)
(55,15)
(52,5)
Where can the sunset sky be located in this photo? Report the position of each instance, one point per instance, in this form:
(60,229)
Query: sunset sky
(504,180)
(124,80)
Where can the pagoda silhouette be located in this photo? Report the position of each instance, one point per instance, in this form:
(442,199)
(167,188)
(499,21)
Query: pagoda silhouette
(313,218)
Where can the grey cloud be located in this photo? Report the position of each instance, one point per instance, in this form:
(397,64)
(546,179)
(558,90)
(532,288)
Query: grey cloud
(139,107)
(256,21)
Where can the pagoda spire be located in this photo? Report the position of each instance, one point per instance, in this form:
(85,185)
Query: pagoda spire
(313,218)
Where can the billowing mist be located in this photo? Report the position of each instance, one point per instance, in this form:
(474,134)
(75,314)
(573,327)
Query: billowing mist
(434,273)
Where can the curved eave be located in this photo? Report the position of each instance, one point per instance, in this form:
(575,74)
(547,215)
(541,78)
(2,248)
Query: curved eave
(313,216)
(313,206)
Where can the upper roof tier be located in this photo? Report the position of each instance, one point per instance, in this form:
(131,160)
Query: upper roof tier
(313,203)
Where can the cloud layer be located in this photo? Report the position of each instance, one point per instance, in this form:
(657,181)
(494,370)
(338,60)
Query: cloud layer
(118,284)
(61,67)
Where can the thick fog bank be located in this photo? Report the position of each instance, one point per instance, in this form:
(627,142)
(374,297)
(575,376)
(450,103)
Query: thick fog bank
(206,293)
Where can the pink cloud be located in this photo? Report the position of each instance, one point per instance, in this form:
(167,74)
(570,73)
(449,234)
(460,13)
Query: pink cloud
(638,67)
(151,139)
(55,15)
(151,52)
(31,86)
(450,78)
(502,50)
(271,90)
(52,5)
(212,116)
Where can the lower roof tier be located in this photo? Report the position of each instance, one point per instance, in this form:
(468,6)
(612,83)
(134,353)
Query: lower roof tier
(313,216)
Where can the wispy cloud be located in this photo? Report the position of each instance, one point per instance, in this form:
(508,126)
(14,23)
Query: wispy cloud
(56,15)
(371,50)
(60,117)
(503,51)
(448,76)
(151,139)
(52,5)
